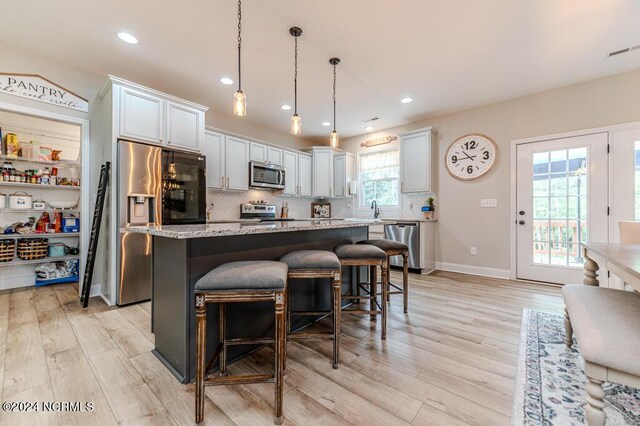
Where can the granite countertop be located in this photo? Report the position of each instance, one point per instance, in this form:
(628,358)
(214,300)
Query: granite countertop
(245,228)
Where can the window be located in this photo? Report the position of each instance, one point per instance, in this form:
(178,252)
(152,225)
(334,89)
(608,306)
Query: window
(379,177)
(637,186)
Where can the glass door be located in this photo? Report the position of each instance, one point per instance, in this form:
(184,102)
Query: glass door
(561,204)
(183,188)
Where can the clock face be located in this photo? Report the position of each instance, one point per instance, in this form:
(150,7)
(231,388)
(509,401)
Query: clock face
(471,156)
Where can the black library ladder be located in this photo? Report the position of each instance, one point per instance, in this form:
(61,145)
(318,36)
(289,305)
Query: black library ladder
(95,233)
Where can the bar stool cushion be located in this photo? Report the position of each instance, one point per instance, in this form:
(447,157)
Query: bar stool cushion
(311,259)
(386,244)
(246,275)
(359,251)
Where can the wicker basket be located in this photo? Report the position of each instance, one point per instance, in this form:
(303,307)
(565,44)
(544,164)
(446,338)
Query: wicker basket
(32,248)
(7,250)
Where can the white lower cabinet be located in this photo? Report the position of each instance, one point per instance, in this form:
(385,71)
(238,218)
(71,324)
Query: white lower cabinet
(227,162)
(304,175)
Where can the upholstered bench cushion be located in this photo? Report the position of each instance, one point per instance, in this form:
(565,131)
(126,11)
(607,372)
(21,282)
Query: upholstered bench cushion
(606,323)
(249,275)
(386,244)
(359,251)
(311,259)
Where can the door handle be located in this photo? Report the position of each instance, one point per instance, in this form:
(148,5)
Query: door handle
(521,212)
(521,222)
(227,183)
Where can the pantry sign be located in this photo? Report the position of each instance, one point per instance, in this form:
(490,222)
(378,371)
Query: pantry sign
(32,86)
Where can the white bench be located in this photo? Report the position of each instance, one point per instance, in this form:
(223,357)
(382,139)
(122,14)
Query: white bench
(606,323)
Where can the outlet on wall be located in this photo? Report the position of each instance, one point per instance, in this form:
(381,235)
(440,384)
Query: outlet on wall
(474,251)
(489,203)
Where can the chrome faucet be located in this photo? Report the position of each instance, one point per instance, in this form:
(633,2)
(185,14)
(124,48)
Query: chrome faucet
(376,210)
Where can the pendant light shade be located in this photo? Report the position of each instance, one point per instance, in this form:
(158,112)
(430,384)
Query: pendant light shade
(296,121)
(239,98)
(239,104)
(334,139)
(296,124)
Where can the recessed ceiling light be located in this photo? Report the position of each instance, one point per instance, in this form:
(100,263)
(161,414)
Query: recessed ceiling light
(127,38)
(368,128)
(226,80)
(286,107)
(406,100)
(326,124)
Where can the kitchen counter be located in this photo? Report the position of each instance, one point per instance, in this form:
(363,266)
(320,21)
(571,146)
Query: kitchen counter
(209,230)
(182,254)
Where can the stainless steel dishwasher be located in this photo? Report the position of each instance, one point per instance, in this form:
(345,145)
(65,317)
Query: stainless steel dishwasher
(409,234)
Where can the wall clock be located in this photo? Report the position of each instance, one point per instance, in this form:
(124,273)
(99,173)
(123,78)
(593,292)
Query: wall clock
(471,156)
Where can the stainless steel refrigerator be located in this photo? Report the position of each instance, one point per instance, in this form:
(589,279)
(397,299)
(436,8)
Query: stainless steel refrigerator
(139,203)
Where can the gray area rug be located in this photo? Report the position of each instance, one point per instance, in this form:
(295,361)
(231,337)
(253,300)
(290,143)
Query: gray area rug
(551,381)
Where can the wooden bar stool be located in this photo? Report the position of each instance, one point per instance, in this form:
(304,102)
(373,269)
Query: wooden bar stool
(395,248)
(239,282)
(316,264)
(367,255)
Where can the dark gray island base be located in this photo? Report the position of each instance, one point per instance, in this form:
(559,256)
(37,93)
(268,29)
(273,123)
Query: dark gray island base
(181,258)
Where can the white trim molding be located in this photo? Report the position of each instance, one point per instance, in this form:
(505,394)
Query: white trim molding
(482,271)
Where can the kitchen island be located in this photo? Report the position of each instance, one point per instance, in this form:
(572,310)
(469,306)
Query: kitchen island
(182,254)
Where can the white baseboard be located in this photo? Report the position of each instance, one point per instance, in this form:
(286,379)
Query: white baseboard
(474,270)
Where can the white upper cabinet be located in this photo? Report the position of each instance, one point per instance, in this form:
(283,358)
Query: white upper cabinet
(274,156)
(237,164)
(213,149)
(258,152)
(290,164)
(185,127)
(343,173)
(304,175)
(141,116)
(415,161)
(322,172)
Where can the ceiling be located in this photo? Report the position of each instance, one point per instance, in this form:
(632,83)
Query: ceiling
(447,55)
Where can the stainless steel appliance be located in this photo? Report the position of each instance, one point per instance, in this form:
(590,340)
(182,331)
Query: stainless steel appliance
(266,175)
(139,183)
(409,234)
(260,210)
(154,187)
(183,188)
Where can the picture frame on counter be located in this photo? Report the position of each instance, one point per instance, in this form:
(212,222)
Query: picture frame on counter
(320,210)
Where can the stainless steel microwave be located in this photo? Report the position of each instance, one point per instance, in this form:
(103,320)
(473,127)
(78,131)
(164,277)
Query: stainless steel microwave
(266,175)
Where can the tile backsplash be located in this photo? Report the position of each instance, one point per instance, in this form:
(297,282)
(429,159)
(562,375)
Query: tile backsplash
(226,205)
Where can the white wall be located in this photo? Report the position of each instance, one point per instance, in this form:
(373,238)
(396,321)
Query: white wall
(462,223)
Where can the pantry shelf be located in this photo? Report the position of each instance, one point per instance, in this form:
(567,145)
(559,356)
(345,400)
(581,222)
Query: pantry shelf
(36,185)
(65,163)
(48,235)
(34,262)
(49,209)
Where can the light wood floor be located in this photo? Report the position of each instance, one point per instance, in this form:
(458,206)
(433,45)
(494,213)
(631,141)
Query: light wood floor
(450,361)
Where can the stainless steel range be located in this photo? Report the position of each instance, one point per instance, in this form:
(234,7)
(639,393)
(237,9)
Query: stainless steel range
(260,210)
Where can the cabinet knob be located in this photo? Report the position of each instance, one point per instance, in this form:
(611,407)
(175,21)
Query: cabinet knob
(227,183)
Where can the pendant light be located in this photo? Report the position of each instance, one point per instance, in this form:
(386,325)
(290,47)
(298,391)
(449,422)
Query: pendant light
(239,98)
(296,121)
(334,138)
